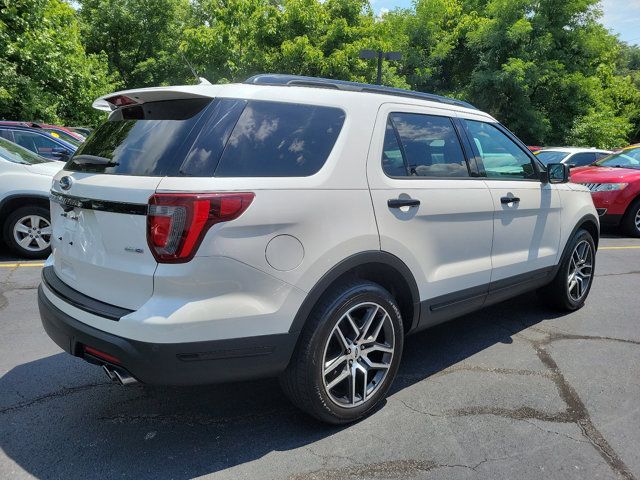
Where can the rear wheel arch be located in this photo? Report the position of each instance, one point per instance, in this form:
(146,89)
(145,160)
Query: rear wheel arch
(379,267)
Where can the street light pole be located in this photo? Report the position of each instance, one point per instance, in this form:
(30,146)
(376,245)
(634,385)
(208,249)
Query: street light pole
(380,55)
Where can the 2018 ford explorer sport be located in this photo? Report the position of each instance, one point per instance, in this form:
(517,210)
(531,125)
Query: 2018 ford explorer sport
(298,227)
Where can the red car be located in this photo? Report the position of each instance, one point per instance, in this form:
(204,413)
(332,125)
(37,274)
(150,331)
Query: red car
(614,182)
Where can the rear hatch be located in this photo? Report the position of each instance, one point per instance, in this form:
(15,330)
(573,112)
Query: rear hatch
(123,204)
(100,200)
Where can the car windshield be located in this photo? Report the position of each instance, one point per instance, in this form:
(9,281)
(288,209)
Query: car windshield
(551,156)
(64,136)
(17,154)
(625,159)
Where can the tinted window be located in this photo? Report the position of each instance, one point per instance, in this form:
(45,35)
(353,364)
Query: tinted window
(148,141)
(280,140)
(39,144)
(551,156)
(501,157)
(582,159)
(6,134)
(17,154)
(429,147)
(600,155)
(393,162)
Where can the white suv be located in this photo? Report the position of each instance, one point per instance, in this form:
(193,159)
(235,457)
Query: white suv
(298,227)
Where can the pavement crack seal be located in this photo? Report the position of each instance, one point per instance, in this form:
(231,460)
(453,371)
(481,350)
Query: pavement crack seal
(578,412)
(60,393)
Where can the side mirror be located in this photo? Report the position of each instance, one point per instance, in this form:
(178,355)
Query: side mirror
(60,154)
(557,173)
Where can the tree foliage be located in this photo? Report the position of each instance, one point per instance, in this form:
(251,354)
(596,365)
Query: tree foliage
(45,73)
(547,69)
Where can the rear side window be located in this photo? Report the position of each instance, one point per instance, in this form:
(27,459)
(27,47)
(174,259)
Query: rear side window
(419,145)
(204,137)
(280,140)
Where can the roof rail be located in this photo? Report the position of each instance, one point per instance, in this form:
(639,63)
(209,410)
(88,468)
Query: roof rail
(301,81)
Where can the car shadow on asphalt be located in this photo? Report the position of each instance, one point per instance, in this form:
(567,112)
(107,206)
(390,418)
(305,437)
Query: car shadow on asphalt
(66,420)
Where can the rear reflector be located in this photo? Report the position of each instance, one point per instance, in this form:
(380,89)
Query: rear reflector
(177,223)
(101,355)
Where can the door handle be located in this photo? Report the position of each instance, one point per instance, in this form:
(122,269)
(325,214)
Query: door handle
(403,202)
(509,199)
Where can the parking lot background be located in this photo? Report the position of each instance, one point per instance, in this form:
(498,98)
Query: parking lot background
(513,391)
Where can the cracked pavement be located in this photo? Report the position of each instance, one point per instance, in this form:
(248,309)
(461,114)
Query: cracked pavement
(513,391)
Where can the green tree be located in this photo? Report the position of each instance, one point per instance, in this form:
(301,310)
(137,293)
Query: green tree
(140,38)
(45,73)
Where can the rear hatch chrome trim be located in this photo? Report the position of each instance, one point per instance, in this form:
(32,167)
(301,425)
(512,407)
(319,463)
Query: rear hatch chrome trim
(69,202)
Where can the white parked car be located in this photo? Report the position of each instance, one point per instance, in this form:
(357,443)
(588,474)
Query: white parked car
(298,227)
(25,181)
(572,156)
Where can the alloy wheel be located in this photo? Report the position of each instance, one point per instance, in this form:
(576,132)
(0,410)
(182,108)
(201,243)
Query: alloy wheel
(358,355)
(580,270)
(32,233)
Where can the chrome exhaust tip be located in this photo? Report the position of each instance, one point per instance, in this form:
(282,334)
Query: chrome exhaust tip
(109,373)
(123,377)
(119,375)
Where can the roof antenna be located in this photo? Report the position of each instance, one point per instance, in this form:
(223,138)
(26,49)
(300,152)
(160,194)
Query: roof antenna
(201,80)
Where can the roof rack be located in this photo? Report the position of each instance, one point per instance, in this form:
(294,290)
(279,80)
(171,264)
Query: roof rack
(301,81)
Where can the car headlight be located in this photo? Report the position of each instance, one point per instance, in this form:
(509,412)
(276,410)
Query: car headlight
(610,187)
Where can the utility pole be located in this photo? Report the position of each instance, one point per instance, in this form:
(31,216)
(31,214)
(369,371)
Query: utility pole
(369,54)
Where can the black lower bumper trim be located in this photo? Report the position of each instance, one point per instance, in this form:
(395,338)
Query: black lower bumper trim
(610,220)
(193,363)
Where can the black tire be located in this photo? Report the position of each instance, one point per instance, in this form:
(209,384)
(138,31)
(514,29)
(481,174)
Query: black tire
(8,232)
(629,225)
(303,380)
(557,294)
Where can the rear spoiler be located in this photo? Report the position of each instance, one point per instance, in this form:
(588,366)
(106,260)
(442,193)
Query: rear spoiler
(113,101)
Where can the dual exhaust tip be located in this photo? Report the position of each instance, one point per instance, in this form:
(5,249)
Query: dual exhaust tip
(119,375)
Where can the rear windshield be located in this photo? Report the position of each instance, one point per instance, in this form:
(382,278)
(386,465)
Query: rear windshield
(204,137)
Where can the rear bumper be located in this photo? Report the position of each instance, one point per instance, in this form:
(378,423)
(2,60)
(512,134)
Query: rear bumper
(176,363)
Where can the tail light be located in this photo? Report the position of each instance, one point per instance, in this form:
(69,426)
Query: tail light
(177,223)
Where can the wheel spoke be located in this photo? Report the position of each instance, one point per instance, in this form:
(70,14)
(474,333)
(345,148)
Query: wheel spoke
(25,242)
(378,347)
(340,378)
(46,230)
(352,385)
(368,321)
(343,340)
(35,221)
(22,228)
(365,381)
(353,324)
(375,365)
(41,243)
(331,365)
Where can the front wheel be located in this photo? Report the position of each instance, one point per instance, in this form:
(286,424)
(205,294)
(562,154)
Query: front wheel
(631,220)
(347,355)
(571,285)
(27,232)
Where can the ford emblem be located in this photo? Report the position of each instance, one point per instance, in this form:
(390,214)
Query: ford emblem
(65,183)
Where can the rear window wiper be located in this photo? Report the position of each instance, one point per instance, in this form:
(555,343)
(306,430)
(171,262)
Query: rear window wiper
(94,161)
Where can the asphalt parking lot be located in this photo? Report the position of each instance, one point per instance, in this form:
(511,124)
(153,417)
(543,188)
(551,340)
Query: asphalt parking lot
(514,391)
